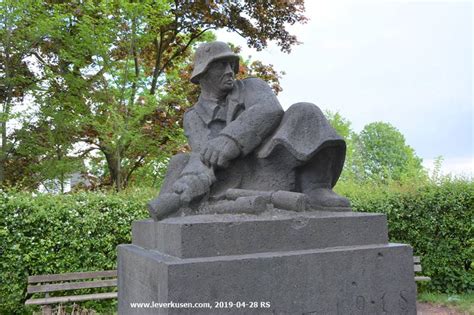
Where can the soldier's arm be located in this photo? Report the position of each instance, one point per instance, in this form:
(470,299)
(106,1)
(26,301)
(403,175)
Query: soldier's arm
(261,116)
(194,130)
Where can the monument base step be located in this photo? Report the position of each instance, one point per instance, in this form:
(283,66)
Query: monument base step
(363,279)
(278,230)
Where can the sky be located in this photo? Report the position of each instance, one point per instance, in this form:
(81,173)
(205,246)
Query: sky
(408,63)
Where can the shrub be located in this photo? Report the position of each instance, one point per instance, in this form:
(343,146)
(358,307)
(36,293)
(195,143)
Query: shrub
(436,219)
(48,234)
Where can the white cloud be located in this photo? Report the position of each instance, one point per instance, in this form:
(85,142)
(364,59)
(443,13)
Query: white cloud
(405,62)
(453,166)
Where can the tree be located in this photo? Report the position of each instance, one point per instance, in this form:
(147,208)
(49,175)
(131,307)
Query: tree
(257,21)
(381,154)
(378,152)
(16,79)
(340,124)
(344,129)
(47,143)
(105,67)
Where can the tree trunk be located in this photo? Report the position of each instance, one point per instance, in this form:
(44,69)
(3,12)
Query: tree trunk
(6,104)
(3,151)
(114,165)
(3,130)
(61,175)
(118,166)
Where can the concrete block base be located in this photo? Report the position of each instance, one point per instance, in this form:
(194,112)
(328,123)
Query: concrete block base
(356,279)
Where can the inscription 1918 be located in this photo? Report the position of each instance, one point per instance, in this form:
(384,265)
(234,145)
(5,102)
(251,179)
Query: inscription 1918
(382,303)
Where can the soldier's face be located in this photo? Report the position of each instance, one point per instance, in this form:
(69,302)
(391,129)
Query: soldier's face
(220,74)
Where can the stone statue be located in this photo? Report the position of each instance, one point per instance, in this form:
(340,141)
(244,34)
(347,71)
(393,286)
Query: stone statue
(247,153)
(248,156)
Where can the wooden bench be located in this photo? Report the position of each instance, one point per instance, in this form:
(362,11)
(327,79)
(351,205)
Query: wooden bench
(417,268)
(70,282)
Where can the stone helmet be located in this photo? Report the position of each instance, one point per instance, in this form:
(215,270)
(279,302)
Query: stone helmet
(209,52)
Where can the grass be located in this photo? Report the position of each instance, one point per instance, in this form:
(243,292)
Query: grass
(461,302)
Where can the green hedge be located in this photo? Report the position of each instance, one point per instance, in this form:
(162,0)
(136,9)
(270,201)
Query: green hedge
(435,219)
(48,234)
(79,232)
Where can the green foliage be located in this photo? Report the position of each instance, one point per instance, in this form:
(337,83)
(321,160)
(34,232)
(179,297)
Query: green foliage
(436,219)
(343,128)
(16,79)
(95,73)
(381,154)
(378,153)
(341,124)
(109,77)
(47,234)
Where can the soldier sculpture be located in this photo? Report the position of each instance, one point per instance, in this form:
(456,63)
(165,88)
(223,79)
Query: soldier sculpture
(247,153)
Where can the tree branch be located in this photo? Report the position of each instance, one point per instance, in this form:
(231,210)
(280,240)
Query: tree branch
(181,51)
(91,142)
(135,62)
(134,167)
(159,47)
(96,76)
(83,153)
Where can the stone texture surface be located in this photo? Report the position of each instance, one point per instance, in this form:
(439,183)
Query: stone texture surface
(301,263)
(210,235)
(371,279)
(240,137)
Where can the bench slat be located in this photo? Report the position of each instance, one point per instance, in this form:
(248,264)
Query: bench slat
(72,286)
(416,259)
(76,298)
(417,268)
(422,278)
(72,276)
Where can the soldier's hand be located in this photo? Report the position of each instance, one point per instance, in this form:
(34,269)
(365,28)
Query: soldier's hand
(219,152)
(191,186)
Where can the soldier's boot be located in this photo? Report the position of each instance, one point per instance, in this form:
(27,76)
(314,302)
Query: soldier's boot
(324,198)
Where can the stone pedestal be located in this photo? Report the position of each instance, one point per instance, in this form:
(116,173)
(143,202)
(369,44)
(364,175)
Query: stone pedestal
(276,263)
